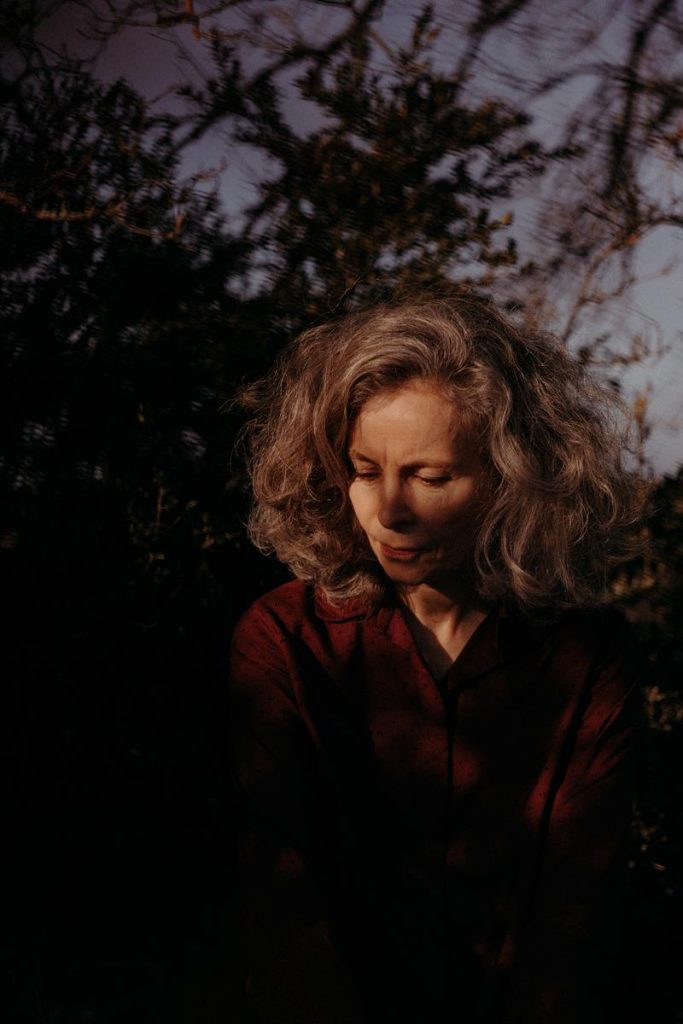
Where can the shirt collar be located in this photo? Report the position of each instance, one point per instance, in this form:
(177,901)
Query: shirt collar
(343,612)
(485,650)
(355,609)
(502,638)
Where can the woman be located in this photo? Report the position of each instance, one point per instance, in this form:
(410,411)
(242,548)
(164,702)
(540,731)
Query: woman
(432,724)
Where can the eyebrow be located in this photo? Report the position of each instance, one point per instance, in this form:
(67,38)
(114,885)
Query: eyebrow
(434,463)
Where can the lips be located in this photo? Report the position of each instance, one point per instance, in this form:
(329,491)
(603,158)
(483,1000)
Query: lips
(400,554)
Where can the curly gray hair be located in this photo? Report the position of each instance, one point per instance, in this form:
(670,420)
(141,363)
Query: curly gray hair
(561,501)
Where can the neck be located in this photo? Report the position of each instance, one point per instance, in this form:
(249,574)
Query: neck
(442,621)
(438,606)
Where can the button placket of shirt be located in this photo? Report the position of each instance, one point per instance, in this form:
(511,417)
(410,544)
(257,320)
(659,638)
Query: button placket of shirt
(479,657)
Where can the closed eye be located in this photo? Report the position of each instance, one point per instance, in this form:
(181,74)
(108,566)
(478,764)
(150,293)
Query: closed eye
(433,481)
(373,474)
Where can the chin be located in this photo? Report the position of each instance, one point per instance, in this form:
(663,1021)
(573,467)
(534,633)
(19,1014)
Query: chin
(403,573)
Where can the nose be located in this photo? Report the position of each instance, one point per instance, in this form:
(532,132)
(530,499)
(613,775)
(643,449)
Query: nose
(393,511)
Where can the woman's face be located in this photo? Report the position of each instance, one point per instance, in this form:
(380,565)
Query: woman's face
(416,489)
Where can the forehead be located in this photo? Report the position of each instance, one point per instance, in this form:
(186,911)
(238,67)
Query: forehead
(414,418)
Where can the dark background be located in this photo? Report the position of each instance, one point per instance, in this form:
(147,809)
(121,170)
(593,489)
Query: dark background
(132,306)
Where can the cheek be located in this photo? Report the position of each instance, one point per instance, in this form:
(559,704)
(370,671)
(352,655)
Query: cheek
(452,522)
(358,504)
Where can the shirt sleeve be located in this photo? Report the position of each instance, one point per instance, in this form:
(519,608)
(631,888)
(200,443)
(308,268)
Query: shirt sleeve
(296,974)
(566,949)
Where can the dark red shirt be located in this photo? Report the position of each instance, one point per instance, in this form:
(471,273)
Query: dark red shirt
(426,849)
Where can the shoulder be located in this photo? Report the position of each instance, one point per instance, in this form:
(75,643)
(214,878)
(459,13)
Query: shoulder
(597,653)
(598,635)
(589,633)
(289,602)
(291,610)
(591,655)
(290,634)
(280,612)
